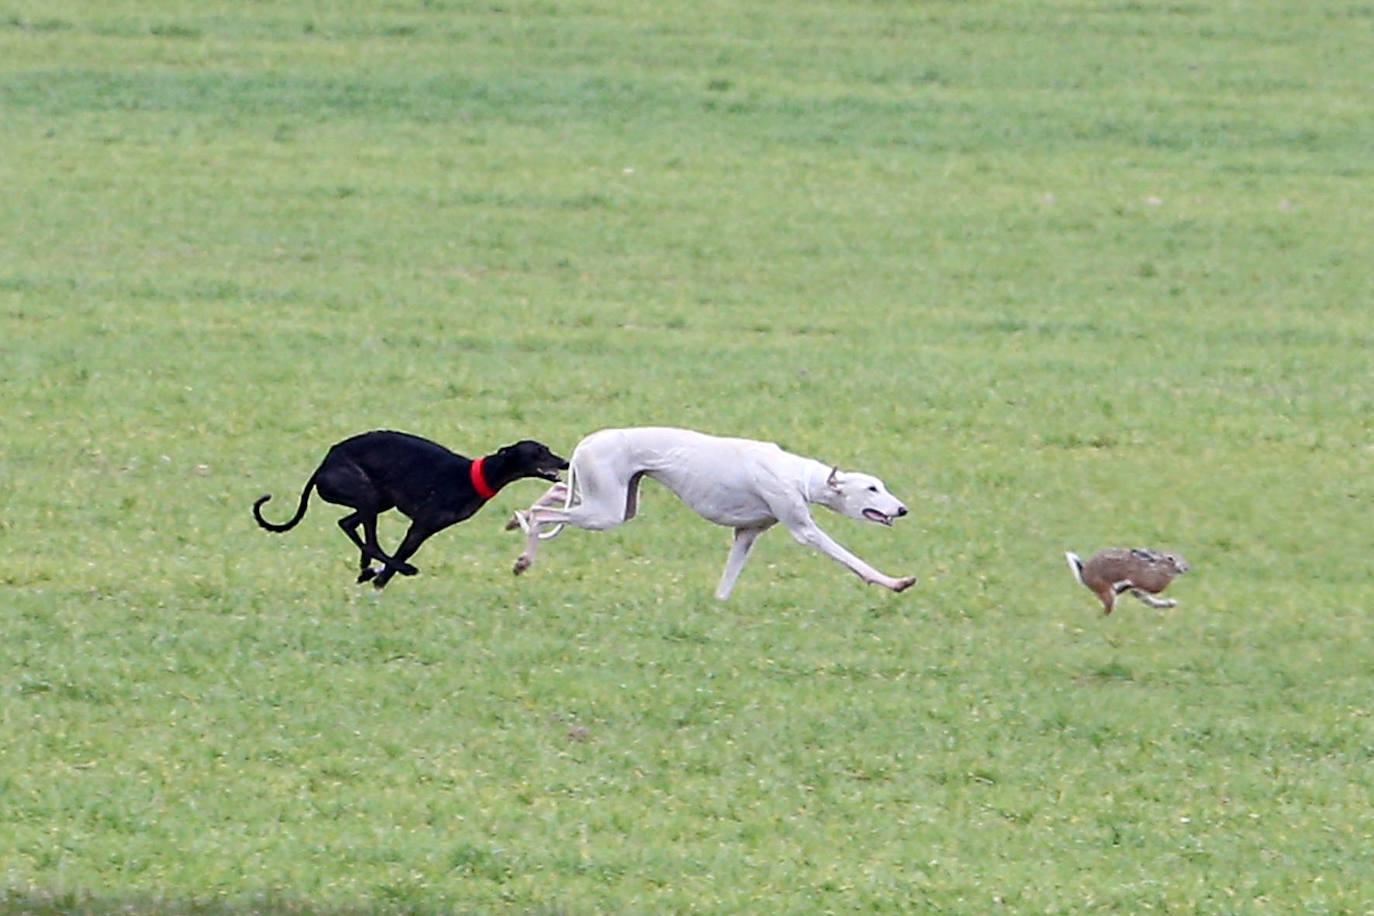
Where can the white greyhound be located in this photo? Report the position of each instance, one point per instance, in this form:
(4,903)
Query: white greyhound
(747,485)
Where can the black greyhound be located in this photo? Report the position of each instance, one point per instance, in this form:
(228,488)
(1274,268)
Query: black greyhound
(373,472)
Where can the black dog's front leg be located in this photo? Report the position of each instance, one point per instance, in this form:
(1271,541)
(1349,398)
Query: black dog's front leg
(370,549)
(415,536)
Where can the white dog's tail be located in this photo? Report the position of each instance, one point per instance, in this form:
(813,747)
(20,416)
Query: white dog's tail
(1075,566)
(568,499)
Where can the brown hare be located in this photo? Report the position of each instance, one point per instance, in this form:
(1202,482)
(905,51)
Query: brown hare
(1141,571)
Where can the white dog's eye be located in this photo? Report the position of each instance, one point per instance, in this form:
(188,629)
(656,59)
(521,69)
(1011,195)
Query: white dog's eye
(872,489)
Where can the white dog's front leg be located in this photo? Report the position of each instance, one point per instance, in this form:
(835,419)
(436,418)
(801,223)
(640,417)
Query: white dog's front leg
(810,534)
(739,553)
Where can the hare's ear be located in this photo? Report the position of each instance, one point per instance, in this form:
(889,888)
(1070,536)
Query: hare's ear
(834,479)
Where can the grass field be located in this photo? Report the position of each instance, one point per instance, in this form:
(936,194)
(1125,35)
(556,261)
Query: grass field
(1064,274)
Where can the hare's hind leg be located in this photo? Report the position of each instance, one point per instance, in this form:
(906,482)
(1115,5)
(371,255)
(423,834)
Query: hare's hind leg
(1151,600)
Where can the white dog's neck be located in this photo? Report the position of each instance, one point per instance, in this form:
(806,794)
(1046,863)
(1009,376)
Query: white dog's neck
(815,483)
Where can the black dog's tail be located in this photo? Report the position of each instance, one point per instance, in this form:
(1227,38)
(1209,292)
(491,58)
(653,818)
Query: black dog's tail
(300,510)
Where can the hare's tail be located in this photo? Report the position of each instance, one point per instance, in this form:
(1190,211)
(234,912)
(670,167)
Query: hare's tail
(1075,566)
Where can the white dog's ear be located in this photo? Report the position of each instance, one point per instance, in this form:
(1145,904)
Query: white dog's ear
(834,479)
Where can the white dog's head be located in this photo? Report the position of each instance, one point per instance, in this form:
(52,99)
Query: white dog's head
(862,496)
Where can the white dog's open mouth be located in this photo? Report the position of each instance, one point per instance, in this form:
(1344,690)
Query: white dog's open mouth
(873,515)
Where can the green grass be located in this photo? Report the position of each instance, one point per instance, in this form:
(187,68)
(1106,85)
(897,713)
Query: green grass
(1064,274)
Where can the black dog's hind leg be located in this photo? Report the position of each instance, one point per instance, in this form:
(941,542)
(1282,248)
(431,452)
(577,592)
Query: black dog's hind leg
(350,528)
(341,481)
(415,536)
(369,548)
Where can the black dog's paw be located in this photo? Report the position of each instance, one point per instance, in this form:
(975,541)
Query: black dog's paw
(406,569)
(366,575)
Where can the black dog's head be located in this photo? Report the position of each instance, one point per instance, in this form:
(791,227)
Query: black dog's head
(533,459)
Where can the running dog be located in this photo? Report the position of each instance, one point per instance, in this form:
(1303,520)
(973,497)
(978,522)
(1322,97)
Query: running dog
(381,470)
(741,483)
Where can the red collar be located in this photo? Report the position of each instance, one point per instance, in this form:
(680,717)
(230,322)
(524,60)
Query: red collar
(479,483)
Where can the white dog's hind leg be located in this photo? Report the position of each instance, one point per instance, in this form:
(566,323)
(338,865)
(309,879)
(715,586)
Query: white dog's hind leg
(530,522)
(558,493)
(739,553)
(601,505)
(810,534)
(532,539)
